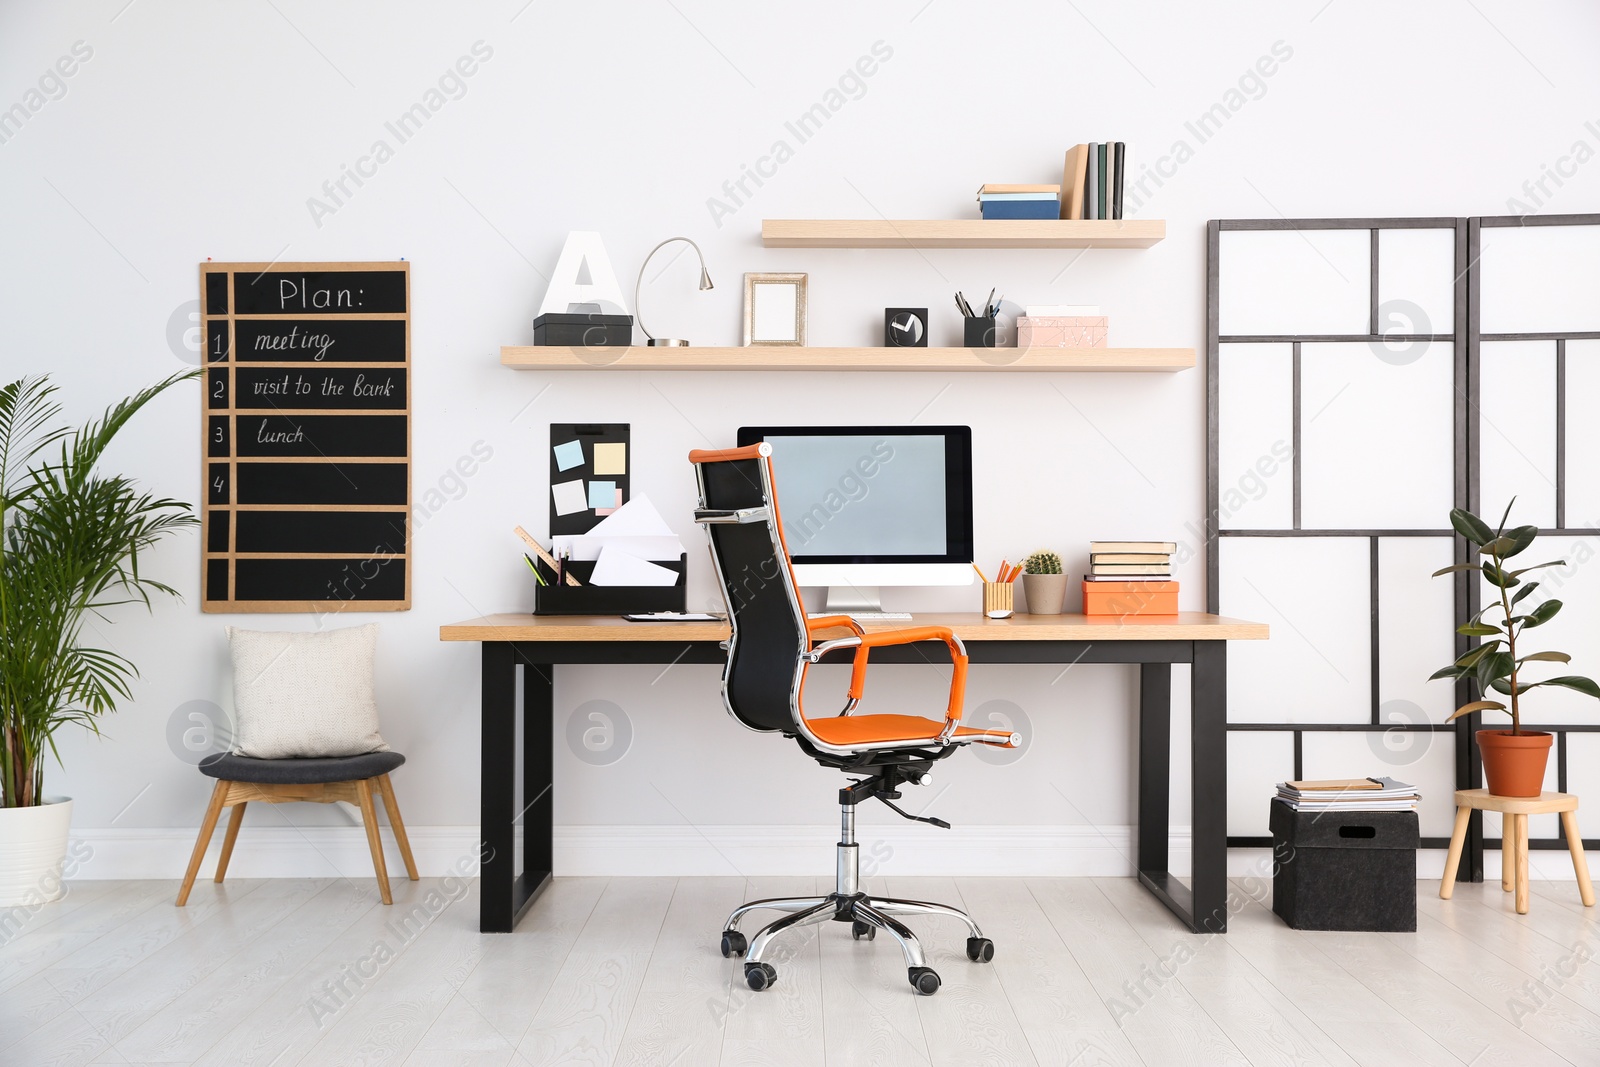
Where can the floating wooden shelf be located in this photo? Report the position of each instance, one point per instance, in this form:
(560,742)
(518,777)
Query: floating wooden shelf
(962,233)
(772,357)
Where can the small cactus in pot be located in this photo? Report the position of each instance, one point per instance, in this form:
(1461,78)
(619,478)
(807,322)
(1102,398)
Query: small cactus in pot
(1044,584)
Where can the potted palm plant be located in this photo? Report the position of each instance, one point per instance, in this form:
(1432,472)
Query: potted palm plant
(1513,760)
(70,546)
(1044,583)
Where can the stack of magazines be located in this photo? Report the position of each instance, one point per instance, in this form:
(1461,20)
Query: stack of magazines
(1349,794)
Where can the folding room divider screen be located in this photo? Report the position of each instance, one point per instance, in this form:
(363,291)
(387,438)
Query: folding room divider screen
(1364,376)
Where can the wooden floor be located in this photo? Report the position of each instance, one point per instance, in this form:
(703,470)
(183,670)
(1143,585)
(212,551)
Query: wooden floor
(625,971)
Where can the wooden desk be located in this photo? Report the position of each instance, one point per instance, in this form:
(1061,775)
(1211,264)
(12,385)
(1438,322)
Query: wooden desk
(1155,643)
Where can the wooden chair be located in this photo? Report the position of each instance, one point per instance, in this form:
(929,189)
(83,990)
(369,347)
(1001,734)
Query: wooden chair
(241,779)
(1514,840)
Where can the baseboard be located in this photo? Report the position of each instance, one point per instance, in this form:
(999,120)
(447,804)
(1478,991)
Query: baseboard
(749,851)
(808,850)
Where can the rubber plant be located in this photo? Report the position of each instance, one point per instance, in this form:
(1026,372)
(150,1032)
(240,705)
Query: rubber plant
(71,541)
(1497,664)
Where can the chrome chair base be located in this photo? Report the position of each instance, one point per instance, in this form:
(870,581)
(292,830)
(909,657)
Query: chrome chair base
(866,914)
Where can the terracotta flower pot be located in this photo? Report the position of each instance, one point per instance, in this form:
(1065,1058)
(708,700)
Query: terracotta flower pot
(1045,593)
(1513,764)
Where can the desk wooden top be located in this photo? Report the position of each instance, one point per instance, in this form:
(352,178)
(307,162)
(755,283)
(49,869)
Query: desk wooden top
(969,626)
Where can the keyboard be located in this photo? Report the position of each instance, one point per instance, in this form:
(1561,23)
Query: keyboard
(863,616)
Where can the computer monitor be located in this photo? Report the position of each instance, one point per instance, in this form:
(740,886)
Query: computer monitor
(870,506)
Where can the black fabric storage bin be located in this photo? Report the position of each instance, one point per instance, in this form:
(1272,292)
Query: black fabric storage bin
(1345,870)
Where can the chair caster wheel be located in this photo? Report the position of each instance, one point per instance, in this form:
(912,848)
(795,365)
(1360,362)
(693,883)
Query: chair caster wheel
(759,976)
(924,980)
(863,931)
(980,949)
(733,944)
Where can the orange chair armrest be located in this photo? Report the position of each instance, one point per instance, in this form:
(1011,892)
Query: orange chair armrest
(911,635)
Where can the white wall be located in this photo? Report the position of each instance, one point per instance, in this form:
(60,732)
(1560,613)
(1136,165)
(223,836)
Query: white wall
(200,130)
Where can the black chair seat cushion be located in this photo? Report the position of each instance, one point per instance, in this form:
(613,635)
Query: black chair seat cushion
(231,768)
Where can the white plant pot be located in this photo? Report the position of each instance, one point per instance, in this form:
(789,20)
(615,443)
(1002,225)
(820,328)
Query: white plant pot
(33,846)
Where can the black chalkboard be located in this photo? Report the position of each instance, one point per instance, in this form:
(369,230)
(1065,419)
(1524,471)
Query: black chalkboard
(319,435)
(320,291)
(321,340)
(346,581)
(307,436)
(378,532)
(261,388)
(322,483)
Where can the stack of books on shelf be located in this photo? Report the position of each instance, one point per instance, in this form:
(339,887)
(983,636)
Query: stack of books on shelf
(1092,180)
(1020,201)
(1349,794)
(1130,578)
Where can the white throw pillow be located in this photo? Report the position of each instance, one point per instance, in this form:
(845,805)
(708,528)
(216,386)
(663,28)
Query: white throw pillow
(305,694)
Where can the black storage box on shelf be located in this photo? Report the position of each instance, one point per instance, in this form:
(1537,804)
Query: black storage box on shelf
(581,329)
(1345,870)
(586,599)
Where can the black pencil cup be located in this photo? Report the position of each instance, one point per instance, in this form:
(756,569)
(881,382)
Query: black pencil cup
(980,333)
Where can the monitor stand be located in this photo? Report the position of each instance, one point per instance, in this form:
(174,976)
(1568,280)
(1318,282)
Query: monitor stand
(844,599)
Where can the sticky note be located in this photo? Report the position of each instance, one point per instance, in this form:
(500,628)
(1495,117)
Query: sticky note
(568,496)
(569,455)
(611,457)
(602,494)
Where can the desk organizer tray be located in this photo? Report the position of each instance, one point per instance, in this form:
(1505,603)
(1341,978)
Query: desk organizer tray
(586,599)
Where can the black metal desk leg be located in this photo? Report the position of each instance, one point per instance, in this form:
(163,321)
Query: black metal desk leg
(1208,698)
(1155,790)
(498,872)
(504,893)
(538,776)
(1155,763)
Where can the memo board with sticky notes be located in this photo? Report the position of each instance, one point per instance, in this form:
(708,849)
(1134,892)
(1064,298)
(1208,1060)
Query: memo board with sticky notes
(590,474)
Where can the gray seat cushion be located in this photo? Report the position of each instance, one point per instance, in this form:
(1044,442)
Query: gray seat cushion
(231,768)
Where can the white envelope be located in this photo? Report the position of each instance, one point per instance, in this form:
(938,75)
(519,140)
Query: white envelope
(616,567)
(588,546)
(637,518)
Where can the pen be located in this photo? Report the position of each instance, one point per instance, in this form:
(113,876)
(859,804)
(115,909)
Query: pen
(988,306)
(980,574)
(1005,566)
(534,567)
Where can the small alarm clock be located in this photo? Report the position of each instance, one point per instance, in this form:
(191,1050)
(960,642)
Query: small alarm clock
(905,327)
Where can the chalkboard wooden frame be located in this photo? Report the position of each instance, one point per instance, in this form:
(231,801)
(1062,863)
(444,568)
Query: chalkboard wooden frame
(318,306)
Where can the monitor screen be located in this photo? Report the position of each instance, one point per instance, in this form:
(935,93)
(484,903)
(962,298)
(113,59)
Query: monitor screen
(872,494)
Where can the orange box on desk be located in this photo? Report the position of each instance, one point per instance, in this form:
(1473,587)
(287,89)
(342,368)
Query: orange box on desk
(1130,598)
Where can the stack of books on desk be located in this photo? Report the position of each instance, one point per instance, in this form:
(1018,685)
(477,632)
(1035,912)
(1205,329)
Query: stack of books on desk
(1130,578)
(1020,201)
(1349,794)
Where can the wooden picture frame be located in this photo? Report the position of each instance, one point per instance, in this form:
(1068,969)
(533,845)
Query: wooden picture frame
(775,309)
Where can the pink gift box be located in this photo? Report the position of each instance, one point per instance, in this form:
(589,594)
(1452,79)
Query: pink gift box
(1070,331)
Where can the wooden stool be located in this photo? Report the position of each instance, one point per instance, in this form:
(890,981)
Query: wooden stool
(1514,840)
(241,779)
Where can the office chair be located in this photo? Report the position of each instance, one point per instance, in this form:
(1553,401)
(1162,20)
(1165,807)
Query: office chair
(768,654)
